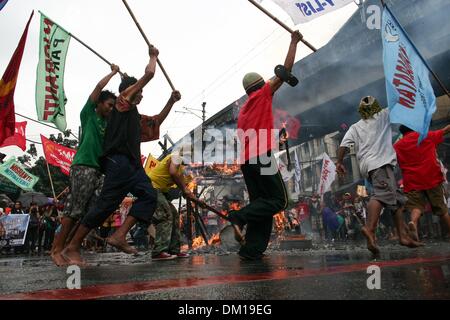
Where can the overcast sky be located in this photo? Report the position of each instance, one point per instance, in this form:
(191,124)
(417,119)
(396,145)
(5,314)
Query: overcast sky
(206,47)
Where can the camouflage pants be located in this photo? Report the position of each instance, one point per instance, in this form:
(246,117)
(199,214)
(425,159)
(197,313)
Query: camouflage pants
(85,186)
(166,220)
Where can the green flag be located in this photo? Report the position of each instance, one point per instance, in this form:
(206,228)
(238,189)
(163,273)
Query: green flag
(50,96)
(14,172)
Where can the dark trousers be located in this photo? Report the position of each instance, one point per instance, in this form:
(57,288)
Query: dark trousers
(122,177)
(268,197)
(31,239)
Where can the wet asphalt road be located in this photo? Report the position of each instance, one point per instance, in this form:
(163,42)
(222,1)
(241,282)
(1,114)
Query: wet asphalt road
(327,273)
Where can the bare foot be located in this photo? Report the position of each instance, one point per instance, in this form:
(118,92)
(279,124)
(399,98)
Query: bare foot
(121,245)
(73,257)
(371,243)
(58,259)
(413,231)
(410,243)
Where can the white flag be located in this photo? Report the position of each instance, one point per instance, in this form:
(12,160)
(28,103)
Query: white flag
(328,175)
(304,11)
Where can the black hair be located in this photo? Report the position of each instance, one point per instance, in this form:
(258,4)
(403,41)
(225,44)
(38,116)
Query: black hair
(106,95)
(404,129)
(256,87)
(126,83)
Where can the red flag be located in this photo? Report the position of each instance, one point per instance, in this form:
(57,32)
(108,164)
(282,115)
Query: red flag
(283,119)
(7,88)
(57,155)
(18,139)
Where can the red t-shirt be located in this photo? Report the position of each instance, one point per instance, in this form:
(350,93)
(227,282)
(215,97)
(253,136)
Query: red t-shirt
(420,167)
(255,124)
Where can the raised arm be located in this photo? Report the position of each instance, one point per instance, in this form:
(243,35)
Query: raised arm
(130,93)
(102,84)
(174,97)
(296,36)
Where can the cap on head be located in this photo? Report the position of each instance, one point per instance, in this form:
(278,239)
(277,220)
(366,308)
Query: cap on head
(251,81)
(368,107)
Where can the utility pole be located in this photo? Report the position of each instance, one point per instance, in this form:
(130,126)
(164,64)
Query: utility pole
(204,112)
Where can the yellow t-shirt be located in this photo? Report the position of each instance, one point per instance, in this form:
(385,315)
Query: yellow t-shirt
(160,176)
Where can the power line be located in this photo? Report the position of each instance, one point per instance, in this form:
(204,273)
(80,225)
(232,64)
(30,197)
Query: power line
(44,124)
(230,69)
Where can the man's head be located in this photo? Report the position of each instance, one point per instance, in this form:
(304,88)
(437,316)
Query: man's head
(18,205)
(368,107)
(252,82)
(105,103)
(128,82)
(404,130)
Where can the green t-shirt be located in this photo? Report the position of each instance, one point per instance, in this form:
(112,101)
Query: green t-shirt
(91,143)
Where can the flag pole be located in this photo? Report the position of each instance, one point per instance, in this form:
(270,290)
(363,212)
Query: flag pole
(280,23)
(148,43)
(436,77)
(82,43)
(51,181)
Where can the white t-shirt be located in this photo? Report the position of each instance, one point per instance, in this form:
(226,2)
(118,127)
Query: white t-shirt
(373,142)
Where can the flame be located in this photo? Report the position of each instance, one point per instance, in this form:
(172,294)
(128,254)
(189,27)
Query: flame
(227,169)
(280,222)
(235,206)
(198,243)
(192,185)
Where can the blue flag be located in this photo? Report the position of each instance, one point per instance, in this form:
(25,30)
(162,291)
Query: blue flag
(411,98)
(2,3)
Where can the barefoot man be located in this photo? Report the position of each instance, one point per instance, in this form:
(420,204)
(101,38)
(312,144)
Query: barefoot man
(372,138)
(422,175)
(121,162)
(86,179)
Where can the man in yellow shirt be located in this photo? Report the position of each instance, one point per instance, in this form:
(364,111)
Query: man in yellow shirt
(166,175)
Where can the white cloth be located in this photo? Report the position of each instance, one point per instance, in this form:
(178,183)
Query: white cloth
(304,11)
(373,142)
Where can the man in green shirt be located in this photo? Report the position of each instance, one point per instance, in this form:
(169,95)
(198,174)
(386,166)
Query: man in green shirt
(86,180)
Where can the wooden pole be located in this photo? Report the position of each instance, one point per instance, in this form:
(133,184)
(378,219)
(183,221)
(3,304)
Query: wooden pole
(280,23)
(84,44)
(148,43)
(51,181)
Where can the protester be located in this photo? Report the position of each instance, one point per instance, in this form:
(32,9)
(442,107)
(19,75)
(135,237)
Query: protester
(167,174)
(17,208)
(33,230)
(86,179)
(121,161)
(423,178)
(372,138)
(266,190)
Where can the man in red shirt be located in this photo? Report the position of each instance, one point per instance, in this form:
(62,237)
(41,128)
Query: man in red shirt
(422,175)
(265,186)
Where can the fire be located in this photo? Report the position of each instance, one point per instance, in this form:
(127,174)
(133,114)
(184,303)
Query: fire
(227,169)
(280,222)
(198,243)
(235,206)
(192,185)
(215,240)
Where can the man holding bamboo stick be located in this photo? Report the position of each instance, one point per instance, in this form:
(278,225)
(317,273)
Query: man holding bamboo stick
(121,162)
(86,179)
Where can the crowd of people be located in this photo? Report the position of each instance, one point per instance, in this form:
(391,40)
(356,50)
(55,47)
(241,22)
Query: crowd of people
(43,224)
(107,167)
